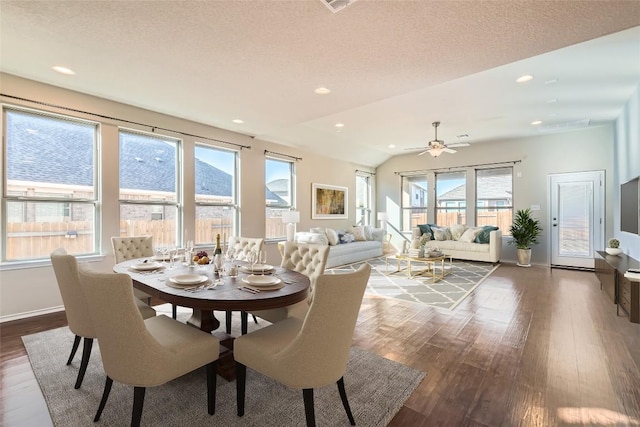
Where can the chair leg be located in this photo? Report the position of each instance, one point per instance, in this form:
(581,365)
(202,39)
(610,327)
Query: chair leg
(105,396)
(138,403)
(211,387)
(309,412)
(244,317)
(228,321)
(255,319)
(174,311)
(76,343)
(86,353)
(345,402)
(241,380)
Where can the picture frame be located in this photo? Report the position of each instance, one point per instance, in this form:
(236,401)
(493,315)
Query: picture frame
(329,201)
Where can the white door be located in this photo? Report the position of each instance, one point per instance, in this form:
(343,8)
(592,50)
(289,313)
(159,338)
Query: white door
(577,218)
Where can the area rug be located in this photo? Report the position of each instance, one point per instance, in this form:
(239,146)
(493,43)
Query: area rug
(463,278)
(376,388)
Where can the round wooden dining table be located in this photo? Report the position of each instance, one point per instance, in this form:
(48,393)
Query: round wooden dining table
(230,294)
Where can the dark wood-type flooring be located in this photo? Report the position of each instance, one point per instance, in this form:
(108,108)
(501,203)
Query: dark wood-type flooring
(529,347)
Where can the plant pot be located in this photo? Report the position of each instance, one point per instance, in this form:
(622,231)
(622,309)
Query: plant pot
(613,251)
(524,257)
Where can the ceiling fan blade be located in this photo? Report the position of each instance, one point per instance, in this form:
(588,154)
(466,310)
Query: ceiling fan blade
(459,144)
(449,150)
(415,148)
(424,152)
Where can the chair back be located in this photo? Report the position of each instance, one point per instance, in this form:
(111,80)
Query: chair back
(129,352)
(125,248)
(241,246)
(318,355)
(66,270)
(307,259)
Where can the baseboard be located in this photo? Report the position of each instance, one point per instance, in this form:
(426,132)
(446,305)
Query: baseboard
(28,314)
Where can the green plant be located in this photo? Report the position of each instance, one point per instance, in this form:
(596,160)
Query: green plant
(613,243)
(525,229)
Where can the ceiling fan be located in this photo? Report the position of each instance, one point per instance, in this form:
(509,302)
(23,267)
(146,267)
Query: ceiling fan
(435,147)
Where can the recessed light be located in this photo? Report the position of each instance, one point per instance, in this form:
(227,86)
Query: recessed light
(63,70)
(391,145)
(339,125)
(536,122)
(322,91)
(525,78)
(238,121)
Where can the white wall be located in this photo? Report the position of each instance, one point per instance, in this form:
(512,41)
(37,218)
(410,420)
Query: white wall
(581,150)
(626,167)
(31,291)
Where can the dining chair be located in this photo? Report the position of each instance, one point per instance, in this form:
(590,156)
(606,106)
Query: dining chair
(66,270)
(143,353)
(307,259)
(239,248)
(126,248)
(311,352)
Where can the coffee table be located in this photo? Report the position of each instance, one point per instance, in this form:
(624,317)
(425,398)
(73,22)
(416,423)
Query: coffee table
(433,264)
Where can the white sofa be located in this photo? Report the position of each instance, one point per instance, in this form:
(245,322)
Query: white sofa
(345,253)
(487,252)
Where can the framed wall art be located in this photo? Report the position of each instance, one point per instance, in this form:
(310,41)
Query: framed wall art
(328,201)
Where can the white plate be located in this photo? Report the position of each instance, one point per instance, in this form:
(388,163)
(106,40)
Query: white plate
(254,280)
(258,268)
(143,266)
(189,279)
(160,258)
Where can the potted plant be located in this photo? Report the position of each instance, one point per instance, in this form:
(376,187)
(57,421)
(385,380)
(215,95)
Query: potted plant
(613,247)
(525,231)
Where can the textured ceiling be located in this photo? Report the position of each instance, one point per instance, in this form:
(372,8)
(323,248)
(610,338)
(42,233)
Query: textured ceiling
(393,66)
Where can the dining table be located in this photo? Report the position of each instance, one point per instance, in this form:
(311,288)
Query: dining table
(254,288)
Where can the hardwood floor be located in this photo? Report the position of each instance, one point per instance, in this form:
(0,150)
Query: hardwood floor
(529,347)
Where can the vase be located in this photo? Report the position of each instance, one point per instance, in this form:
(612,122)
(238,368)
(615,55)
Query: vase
(524,257)
(613,251)
(421,252)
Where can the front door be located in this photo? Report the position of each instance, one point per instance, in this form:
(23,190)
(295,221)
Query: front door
(577,218)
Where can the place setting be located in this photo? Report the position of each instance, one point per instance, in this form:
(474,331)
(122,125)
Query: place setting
(190,282)
(147,267)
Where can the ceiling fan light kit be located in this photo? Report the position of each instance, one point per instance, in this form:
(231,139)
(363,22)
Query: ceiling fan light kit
(436,147)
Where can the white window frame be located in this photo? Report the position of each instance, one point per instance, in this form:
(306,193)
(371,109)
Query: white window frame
(279,208)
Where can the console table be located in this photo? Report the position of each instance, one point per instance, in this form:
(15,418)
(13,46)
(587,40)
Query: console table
(620,290)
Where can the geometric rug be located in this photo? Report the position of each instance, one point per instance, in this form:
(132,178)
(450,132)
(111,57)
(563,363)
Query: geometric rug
(462,278)
(376,387)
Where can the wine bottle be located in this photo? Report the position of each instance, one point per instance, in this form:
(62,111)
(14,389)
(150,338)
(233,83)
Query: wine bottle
(218,250)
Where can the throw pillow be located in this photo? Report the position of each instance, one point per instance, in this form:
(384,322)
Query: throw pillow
(377,234)
(368,232)
(470,234)
(415,243)
(312,238)
(358,233)
(426,229)
(457,230)
(441,233)
(332,236)
(483,236)
(347,238)
(320,230)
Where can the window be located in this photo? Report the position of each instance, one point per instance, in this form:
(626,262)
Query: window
(50,184)
(216,193)
(363,199)
(279,191)
(451,198)
(414,201)
(494,198)
(149,187)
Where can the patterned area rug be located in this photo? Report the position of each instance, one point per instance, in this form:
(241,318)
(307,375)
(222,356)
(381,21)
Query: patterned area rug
(462,278)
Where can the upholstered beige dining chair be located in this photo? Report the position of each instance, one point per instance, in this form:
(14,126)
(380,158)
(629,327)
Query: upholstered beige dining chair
(239,248)
(65,268)
(126,248)
(307,259)
(143,353)
(311,352)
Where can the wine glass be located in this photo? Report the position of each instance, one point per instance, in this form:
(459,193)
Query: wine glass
(263,260)
(165,253)
(252,258)
(189,252)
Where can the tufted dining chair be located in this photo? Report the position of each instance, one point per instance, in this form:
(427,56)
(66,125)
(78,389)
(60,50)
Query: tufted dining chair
(311,352)
(239,248)
(143,353)
(307,259)
(66,270)
(126,248)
